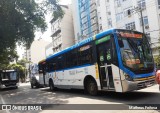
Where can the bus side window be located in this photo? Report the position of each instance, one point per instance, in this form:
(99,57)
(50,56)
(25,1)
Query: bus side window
(71,58)
(60,62)
(85,55)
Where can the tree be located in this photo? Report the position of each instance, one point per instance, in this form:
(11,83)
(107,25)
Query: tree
(19,19)
(55,8)
(7,56)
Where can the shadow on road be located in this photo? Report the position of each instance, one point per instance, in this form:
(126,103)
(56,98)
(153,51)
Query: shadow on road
(135,97)
(26,95)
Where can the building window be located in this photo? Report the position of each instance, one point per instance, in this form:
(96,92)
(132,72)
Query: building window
(119,16)
(118,3)
(131,26)
(145,21)
(159,4)
(128,12)
(100,27)
(110,22)
(142,4)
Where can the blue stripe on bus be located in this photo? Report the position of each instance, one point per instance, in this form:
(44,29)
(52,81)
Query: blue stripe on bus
(100,35)
(72,68)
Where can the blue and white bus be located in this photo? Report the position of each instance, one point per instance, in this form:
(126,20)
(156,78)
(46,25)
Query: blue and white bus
(114,60)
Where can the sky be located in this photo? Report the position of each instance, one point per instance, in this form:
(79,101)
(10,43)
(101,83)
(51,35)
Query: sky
(46,35)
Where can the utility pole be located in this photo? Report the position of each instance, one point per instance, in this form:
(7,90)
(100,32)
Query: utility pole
(140,10)
(137,10)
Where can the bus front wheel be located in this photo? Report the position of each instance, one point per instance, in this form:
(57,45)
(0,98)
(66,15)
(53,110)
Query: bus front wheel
(92,87)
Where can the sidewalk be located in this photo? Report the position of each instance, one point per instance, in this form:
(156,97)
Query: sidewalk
(24,84)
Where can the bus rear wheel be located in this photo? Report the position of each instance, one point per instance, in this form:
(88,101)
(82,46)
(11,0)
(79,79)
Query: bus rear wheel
(92,87)
(51,85)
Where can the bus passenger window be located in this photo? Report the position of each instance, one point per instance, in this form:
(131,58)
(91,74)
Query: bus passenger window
(85,55)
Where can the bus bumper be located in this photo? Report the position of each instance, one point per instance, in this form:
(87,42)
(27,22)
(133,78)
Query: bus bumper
(2,86)
(137,85)
(9,85)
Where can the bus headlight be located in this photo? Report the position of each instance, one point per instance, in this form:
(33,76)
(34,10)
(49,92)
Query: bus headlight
(127,77)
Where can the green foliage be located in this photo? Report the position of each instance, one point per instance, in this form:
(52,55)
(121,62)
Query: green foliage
(6,56)
(22,62)
(54,7)
(58,14)
(19,19)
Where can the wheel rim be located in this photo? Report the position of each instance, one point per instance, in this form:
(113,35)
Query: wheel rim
(92,88)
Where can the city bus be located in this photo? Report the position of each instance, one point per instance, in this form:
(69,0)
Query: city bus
(115,60)
(9,78)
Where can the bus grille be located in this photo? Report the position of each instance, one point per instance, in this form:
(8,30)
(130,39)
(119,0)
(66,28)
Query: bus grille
(145,84)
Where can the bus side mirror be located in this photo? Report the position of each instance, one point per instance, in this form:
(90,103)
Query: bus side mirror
(120,42)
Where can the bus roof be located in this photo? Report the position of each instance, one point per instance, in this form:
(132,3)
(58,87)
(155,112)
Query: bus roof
(42,61)
(83,42)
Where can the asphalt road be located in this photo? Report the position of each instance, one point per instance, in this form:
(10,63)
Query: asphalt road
(25,95)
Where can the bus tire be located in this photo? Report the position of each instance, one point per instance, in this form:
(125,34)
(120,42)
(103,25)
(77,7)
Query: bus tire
(92,87)
(51,85)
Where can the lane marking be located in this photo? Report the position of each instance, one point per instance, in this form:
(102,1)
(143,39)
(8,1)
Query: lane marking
(3,102)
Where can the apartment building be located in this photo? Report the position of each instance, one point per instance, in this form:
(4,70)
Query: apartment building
(88,21)
(62,32)
(125,14)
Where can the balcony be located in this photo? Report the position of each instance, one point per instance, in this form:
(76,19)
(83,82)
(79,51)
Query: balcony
(94,21)
(93,14)
(94,27)
(84,20)
(93,7)
(92,2)
(56,31)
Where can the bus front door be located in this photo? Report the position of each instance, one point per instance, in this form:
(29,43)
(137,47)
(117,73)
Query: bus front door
(104,62)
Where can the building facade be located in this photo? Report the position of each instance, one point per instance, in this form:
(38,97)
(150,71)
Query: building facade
(87,16)
(76,20)
(37,51)
(62,32)
(124,14)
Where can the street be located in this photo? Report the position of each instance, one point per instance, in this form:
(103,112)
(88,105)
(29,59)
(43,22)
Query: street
(25,95)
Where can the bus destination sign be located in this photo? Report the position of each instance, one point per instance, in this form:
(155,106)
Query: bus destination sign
(130,35)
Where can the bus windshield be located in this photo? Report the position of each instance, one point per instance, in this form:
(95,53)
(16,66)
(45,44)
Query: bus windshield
(135,52)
